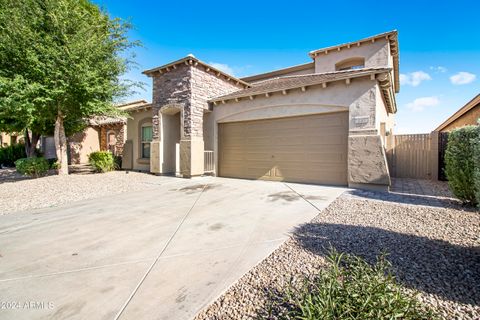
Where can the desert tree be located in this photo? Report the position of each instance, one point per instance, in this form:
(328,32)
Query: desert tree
(61,62)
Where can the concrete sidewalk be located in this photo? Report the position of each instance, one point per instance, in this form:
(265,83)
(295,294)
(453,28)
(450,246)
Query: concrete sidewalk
(161,254)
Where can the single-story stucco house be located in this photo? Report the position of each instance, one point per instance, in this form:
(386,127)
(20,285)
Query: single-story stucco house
(328,121)
(466,115)
(106,133)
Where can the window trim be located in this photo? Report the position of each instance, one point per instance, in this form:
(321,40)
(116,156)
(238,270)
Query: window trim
(147,122)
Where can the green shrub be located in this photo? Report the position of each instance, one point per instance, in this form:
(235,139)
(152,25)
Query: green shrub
(102,161)
(460,164)
(34,167)
(11,153)
(349,288)
(118,162)
(476,160)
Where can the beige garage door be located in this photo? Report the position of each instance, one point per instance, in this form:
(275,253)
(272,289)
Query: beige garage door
(311,149)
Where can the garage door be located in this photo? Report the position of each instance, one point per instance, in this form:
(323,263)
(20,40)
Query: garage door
(311,149)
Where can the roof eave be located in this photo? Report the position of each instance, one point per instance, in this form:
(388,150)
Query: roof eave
(387,35)
(191,60)
(388,95)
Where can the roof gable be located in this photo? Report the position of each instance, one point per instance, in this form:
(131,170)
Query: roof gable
(469,106)
(392,38)
(190,60)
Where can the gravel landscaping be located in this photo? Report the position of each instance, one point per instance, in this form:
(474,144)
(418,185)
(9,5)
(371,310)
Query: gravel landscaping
(433,249)
(19,193)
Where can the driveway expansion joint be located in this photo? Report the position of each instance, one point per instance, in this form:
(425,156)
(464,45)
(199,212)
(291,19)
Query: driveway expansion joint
(152,265)
(303,197)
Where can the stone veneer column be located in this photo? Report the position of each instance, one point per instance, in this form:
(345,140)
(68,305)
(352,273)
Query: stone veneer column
(189,85)
(367,161)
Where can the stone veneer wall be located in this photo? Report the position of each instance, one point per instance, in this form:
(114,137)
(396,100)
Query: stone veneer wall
(190,87)
(119,134)
(171,87)
(205,86)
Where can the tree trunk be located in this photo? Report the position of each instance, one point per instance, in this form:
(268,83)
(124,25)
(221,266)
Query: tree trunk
(34,141)
(61,145)
(31,143)
(27,143)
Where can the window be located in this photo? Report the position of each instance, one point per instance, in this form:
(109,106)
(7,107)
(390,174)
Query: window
(146,138)
(111,141)
(350,64)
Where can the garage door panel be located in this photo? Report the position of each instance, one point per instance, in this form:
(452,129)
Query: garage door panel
(310,149)
(326,177)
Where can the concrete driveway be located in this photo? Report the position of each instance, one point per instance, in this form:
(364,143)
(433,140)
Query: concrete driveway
(160,254)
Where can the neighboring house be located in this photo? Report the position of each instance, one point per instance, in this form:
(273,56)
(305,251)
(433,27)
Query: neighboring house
(107,134)
(102,133)
(466,115)
(329,121)
(7,139)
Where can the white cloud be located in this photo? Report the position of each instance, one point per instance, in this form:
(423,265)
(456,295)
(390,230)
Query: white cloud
(420,104)
(223,67)
(438,69)
(462,78)
(414,78)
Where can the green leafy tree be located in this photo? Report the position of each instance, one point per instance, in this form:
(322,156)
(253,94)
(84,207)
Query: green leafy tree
(61,62)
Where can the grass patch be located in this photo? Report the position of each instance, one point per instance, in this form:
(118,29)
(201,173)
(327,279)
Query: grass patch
(349,288)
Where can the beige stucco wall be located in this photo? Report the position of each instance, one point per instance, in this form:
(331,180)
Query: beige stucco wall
(285,73)
(382,116)
(358,96)
(133,134)
(82,144)
(208,130)
(376,54)
(362,98)
(170,138)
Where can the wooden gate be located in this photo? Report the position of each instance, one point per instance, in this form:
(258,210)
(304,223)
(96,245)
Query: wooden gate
(411,156)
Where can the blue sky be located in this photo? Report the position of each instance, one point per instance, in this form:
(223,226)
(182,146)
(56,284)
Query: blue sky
(439,42)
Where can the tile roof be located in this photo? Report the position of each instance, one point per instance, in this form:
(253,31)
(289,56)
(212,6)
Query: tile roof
(106,120)
(132,105)
(292,82)
(279,72)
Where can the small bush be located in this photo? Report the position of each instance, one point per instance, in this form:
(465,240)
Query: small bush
(11,153)
(460,164)
(34,167)
(350,289)
(476,160)
(102,161)
(118,162)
